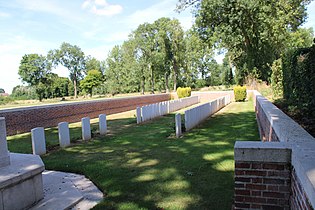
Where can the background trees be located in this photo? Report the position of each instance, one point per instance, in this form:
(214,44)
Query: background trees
(71,57)
(254,32)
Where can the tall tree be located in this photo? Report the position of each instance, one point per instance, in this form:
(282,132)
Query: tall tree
(2,90)
(71,57)
(35,70)
(93,79)
(93,64)
(253,31)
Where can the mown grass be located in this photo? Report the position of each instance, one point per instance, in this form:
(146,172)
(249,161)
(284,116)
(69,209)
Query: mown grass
(146,167)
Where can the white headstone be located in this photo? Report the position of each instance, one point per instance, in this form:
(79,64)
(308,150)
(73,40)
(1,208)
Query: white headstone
(178,125)
(102,124)
(4,153)
(86,128)
(64,134)
(138,112)
(38,141)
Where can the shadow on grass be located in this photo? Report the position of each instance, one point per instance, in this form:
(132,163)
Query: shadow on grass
(145,167)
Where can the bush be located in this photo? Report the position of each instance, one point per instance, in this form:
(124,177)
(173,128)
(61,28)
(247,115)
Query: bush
(299,79)
(240,93)
(183,92)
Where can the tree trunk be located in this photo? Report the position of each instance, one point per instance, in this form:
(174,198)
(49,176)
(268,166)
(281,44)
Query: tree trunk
(75,86)
(142,85)
(167,88)
(152,78)
(175,74)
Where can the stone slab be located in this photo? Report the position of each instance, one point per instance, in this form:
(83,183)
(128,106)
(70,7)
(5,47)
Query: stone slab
(277,152)
(4,154)
(22,179)
(68,191)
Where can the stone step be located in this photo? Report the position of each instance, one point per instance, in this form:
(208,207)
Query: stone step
(68,191)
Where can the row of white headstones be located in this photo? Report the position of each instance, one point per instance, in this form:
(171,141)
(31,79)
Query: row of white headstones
(192,118)
(39,140)
(196,115)
(152,111)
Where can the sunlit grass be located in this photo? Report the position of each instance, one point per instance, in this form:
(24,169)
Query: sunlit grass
(145,167)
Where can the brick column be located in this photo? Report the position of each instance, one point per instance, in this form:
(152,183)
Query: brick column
(262,175)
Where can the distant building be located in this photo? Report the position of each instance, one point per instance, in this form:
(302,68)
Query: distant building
(4,94)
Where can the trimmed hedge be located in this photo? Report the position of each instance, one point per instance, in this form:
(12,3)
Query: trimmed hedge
(183,92)
(240,93)
(298,68)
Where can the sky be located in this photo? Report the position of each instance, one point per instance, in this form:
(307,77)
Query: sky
(96,26)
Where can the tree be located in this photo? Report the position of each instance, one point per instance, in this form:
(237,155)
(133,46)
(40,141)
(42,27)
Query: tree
(35,70)
(253,31)
(71,57)
(93,64)
(113,71)
(92,80)
(2,90)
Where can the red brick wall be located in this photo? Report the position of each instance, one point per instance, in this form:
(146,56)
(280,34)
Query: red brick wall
(24,119)
(262,185)
(298,199)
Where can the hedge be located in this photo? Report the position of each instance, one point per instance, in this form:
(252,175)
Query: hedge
(240,93)
(183,92)
(298,68)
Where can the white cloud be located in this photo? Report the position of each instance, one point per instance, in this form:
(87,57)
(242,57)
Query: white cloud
(102,7)
(165,8)
(4,15)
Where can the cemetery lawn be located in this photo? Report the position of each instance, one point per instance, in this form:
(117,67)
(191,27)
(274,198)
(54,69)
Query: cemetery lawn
(146,167)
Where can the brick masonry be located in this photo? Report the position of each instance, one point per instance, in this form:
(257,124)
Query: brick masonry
(278,174)
(298,199)
(262,185)
(22,120)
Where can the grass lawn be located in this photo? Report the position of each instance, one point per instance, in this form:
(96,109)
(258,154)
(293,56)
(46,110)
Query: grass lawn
(146,167)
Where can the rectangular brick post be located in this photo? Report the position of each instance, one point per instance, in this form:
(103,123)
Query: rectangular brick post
(262,175)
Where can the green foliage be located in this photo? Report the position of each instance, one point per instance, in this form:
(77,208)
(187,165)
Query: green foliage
(240,93)
(2,90)
(276,78)
(5,100)
(299,79)
(23,92)
(92,80)
(255,32)
(61,87)
(183,92)
(71,57)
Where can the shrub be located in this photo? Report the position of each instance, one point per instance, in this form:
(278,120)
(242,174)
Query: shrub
(240,93)
(183,92)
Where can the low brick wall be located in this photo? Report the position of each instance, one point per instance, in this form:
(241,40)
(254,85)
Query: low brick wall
(295,176)
(22,120)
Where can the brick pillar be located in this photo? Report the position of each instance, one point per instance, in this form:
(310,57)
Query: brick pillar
(262,175)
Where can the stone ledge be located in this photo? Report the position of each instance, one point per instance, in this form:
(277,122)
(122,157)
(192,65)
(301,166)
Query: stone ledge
(276,152)
(22,167)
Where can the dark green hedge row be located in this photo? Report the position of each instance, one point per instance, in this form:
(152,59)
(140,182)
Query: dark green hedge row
(299,79)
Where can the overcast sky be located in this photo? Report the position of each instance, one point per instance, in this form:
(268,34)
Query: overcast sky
(37,26)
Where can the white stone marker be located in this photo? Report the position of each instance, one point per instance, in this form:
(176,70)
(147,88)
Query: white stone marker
(64,134)
(38,141)
(138,112)
(178,125)
(4,153)
(86,128)
(102,124)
